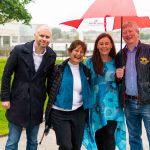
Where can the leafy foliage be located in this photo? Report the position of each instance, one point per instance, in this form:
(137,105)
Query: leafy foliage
(11,10)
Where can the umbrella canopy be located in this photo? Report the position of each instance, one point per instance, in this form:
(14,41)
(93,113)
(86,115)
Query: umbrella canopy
(108,8)
(142,22)
(73,23)
(102,8)
(105,8)
(115,8)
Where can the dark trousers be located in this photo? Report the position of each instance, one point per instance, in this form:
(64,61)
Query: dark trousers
(104,137)
(69,128)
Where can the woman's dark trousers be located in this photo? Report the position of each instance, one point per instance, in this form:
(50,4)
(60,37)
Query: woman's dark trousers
(104,137)
(69,128)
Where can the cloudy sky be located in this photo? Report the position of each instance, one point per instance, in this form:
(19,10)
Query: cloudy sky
(53,12)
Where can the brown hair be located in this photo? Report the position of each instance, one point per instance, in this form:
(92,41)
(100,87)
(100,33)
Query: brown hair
(75,43)
(96,57)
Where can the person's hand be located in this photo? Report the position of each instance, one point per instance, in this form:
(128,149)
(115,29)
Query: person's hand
(6,104)
(120,72)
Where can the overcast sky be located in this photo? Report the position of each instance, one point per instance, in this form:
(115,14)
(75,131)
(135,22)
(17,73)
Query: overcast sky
(53,12)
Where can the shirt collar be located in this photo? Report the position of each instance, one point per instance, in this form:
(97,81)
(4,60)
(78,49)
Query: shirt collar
(134,49)
(36,53)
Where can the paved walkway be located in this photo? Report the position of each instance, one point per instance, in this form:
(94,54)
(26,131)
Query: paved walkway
(49,142)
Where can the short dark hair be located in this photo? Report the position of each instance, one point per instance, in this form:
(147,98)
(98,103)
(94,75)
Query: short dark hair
(75,43)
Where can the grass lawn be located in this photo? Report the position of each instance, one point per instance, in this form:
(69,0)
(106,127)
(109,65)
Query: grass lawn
(3,120)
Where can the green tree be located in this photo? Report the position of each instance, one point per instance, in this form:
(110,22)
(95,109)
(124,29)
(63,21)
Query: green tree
(11,10)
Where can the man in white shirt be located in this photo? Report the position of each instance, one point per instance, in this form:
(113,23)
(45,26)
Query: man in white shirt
(31,64)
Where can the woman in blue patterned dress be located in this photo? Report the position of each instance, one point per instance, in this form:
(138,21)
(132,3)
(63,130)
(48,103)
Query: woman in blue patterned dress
(106,127)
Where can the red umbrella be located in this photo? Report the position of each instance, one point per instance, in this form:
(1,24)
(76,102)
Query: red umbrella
(103,8)
(73,23)
(142,22)
(115,8)
(110,8)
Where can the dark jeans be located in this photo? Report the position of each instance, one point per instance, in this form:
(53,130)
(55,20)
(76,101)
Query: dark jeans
(69,128)
(104,137)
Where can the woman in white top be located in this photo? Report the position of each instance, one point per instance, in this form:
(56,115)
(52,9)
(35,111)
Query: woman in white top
(72,97)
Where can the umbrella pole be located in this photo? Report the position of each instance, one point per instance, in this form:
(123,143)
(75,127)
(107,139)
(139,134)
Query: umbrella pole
(121,42)
(121,32)
(105,23)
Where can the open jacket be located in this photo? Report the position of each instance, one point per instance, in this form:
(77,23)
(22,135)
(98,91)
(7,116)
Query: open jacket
(56,79)
(142,61)
(27,93)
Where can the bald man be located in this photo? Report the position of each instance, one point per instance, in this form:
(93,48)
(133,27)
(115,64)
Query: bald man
(23,96)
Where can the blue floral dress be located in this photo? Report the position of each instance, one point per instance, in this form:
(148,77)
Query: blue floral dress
(105,106)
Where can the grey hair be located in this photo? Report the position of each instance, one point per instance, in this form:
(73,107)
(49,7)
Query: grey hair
(131,24)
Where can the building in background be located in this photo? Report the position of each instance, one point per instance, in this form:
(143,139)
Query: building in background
(15,33)
(9,35)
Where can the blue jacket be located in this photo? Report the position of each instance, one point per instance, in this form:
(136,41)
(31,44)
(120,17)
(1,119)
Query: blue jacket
(61,92)
(64,97)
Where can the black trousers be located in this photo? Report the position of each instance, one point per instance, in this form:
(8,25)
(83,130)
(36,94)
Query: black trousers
(69,128)
(104,137)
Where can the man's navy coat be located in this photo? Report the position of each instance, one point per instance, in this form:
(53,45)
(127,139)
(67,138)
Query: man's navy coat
(27,91)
